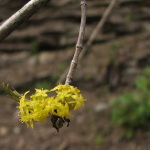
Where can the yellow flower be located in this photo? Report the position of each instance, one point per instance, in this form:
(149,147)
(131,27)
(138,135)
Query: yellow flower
(41,92)
(60,110)
(40,106)
(70,95)
(23,102)
(79,101)
(66,111)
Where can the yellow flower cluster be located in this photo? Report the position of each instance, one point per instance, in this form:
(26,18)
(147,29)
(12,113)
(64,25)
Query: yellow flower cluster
(40,106)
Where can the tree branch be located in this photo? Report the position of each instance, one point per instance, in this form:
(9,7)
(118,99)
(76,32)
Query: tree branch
(93,35)
(20,16)
(79,44)
(99,27)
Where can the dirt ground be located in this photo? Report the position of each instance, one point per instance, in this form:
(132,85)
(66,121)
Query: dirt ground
(38,53)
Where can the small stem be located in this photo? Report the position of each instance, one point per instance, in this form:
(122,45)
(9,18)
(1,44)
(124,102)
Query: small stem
(79,44)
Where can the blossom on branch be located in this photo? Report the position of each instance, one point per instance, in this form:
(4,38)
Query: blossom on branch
(40,105)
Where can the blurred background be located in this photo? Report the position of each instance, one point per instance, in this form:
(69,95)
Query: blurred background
(114,76)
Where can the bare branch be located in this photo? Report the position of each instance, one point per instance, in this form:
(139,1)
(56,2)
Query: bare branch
(20,16)
(93,35)
(99,27)
(79,43)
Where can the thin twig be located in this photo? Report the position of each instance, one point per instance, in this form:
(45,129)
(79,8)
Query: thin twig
(79,44)
(93,35)
(20,16)
(98,27)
